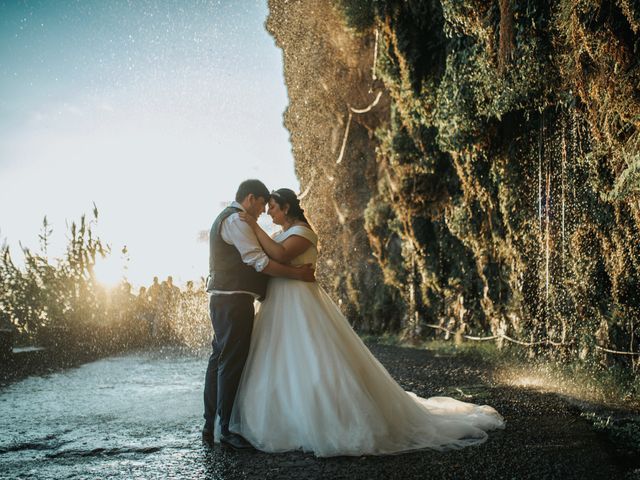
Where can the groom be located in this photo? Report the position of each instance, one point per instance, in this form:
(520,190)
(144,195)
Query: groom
(238,273)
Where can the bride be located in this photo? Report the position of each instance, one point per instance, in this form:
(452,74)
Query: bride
(310,383)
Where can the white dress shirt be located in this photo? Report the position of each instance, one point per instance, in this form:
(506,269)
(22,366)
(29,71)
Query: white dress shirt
(238,233)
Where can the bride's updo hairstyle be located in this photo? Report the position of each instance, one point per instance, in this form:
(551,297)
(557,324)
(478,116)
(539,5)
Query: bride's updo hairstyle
(286,196)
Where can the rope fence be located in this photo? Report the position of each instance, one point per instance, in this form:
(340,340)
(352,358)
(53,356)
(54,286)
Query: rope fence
(545,341)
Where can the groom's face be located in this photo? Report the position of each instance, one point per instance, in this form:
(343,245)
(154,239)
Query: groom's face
(256,206)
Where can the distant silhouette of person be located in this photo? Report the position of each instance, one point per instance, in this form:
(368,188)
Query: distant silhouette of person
(167,304)
(155,290)
(172,292)
(155,301)
(123,307)
(145,314)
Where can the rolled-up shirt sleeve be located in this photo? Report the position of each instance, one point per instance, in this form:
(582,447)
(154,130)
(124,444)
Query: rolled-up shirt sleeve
(238,233)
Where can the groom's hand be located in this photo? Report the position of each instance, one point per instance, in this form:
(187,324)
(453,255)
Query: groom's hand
(307,272)
(245,217)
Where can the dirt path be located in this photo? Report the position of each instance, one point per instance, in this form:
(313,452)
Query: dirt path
(545,435)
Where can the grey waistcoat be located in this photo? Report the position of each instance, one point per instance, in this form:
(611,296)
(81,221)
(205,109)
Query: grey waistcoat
(227,271)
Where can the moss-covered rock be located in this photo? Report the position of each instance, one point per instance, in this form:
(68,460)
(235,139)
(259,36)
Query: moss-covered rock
(497,180)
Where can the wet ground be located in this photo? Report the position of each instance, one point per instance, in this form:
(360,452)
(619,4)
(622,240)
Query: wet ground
(139,416)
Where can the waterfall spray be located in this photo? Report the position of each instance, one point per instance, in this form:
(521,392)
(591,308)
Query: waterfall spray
(562,173)
(544,249)
(375,56)
(540,153)
(344,139)
(546,240)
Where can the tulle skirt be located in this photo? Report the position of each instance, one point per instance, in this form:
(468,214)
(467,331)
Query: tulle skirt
(311,384)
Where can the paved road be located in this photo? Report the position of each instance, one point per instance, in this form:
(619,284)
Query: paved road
(139,416)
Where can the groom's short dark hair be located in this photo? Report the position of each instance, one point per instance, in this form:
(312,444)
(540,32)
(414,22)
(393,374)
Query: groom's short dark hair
(252,186)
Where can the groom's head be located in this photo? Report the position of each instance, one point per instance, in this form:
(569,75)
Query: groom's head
(253,196)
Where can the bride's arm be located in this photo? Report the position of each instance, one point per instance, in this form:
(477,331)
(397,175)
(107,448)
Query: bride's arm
(281,252)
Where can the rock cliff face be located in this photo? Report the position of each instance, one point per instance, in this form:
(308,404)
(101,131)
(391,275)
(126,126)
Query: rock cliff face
(328,68)
(495,186)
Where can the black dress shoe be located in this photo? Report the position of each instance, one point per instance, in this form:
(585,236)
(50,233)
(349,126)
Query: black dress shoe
(207,436)
(235,441)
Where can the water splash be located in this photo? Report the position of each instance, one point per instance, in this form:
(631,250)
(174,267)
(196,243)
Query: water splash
(563,184)
(375,56)
(547,240)
(540,155)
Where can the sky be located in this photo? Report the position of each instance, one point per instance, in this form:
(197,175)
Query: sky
(153,110)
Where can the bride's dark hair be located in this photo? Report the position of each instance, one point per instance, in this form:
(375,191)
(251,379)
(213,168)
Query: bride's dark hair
(286,196)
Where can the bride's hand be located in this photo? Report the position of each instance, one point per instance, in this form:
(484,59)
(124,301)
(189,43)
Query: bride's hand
(307,272)
(245,217)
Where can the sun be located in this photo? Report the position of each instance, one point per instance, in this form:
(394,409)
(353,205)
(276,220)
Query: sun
(109,271)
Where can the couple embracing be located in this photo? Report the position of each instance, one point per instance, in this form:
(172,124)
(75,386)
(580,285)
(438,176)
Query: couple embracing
(294,375)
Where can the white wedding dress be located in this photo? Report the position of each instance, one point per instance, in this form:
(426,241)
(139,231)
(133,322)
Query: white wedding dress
(310,383)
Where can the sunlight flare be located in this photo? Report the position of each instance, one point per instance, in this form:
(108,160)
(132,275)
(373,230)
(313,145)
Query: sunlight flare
(109,271)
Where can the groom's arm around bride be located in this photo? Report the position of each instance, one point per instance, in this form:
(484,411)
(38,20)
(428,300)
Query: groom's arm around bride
(239,234)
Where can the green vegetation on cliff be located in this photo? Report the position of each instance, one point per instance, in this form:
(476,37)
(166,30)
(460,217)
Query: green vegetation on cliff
(508,169)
